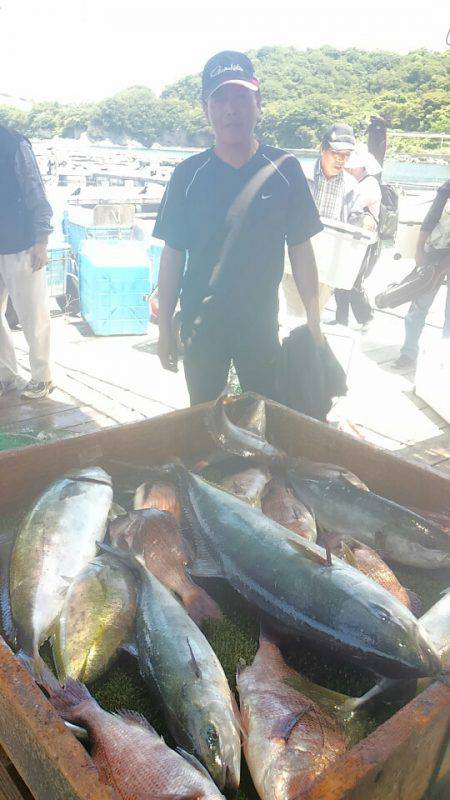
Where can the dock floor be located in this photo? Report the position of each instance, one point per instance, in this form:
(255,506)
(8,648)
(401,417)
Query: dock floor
(105,381)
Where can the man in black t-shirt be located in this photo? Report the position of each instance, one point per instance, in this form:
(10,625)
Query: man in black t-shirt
(231,209)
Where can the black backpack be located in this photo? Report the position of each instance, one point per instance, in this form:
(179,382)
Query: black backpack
(388,221)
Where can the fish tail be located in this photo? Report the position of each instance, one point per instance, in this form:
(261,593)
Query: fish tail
(38,670)
(200,606)
(66,701)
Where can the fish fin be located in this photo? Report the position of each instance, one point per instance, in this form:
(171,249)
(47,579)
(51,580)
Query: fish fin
(193,661)
(347,554)
(284,727)
(415,603)
(350,477)
(194,762)
(356,703)
(327,698)
(301,545)
(200,606)
(7,624)
(38,670)
(203,565)
(135,718)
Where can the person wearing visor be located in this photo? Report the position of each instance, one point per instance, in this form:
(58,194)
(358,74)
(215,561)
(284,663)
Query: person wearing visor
(365,168)
(225,218)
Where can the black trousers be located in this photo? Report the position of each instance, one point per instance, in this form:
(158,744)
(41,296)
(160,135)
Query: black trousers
(356,297)
(359,302)
(210,349)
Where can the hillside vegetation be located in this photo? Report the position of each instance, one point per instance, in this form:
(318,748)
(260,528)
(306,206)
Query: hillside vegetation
(302,92)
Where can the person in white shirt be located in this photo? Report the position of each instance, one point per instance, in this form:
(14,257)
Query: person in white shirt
(364,167)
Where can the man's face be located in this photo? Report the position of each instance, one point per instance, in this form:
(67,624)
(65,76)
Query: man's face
(333,161)
(233,112)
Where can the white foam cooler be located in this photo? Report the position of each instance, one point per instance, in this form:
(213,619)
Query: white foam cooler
(339,250)
(406,238)
(433,376)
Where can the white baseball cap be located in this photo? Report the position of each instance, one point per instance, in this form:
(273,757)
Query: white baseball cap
(361,157)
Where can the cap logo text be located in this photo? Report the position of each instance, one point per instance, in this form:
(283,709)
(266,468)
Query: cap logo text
(219,70)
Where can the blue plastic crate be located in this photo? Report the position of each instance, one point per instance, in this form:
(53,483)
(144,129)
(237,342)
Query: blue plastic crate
(57,268)
(78,233)
(155,249)
(114,277)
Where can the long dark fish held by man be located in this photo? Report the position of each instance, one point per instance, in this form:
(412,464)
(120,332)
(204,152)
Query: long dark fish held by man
(291,580)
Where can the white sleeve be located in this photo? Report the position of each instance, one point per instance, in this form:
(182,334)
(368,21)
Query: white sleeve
(371,195)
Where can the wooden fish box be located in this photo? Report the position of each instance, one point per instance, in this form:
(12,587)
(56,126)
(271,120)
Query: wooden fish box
(396,762)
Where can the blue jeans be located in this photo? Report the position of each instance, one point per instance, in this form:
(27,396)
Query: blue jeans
(415,321)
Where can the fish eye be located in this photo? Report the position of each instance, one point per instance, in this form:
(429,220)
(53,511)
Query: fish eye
(382,613)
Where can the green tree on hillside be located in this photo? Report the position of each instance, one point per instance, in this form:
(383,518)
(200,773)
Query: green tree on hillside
(303,91)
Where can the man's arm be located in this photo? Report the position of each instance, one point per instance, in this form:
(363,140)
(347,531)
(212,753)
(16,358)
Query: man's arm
(420,248)
(304,270)
(33,192)
(169,284)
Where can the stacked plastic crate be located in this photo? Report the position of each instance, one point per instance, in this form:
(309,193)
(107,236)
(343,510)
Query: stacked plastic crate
(114,282)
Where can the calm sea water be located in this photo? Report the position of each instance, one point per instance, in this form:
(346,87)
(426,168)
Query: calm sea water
(394,171)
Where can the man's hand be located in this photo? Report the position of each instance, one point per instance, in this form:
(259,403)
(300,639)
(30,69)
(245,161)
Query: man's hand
(317,334)
(168,351)
(420,258)
(38,256)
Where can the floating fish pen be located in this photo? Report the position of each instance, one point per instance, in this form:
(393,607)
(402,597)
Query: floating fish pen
(403,756)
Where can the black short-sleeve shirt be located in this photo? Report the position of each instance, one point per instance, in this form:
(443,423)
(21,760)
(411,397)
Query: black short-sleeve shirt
(234,223)
(437,207)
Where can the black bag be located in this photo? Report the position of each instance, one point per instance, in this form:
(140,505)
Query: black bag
(418,282)
(388,221)
(308,376)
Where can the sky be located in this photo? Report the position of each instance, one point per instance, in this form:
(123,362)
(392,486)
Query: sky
(85,50)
